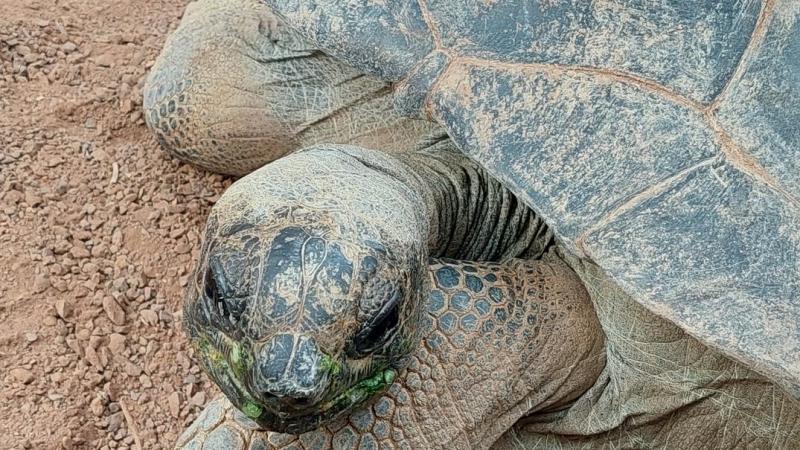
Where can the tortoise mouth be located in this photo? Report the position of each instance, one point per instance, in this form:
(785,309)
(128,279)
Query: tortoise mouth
(323,412)
(226,364)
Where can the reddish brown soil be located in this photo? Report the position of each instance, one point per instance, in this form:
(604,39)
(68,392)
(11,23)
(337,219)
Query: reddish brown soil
(98,233)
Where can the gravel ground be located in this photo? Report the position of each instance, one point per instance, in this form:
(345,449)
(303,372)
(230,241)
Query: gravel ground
(98,232)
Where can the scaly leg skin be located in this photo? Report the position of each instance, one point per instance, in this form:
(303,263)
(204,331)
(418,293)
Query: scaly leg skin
(234,89)
(661,389)
(502,340)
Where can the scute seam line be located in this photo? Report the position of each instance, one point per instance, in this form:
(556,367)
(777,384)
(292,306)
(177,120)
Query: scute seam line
(428,18)
(756,38)
(737,157)
(641,197)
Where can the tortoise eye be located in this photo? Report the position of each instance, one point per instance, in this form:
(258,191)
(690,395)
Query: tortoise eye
(378,330)
(214,300)
(220,299)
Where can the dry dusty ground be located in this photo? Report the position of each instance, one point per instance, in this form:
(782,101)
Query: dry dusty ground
(98,231)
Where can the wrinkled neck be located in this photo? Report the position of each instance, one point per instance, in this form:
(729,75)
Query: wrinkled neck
(460,210)
(472,216)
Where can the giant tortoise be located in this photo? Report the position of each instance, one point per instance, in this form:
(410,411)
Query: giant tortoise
(655,140)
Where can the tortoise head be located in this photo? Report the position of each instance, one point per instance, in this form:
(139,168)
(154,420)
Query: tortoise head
(306,299)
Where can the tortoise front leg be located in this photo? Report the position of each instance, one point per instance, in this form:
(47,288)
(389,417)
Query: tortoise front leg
(502,341)
(234,89)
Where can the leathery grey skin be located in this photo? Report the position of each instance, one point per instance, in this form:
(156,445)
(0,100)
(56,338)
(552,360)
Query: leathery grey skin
(660,388)
(657,139)
(282,95)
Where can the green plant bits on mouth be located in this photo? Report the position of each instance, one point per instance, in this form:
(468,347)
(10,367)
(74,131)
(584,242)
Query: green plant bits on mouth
(211,353)
(389,376)
(329,365)
(236,355)
(251,409)
(376,382)
(239,360)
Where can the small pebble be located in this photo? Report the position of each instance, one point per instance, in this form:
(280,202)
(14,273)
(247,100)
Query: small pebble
(114,312)
(22,375)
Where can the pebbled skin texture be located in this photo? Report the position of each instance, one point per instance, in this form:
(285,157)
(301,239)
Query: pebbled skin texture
(661,388)
(652,137)
(502,327)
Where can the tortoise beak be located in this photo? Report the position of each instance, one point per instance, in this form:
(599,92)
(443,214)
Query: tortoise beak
(289,373)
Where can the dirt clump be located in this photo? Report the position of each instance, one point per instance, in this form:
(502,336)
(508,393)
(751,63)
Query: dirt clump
(98,233)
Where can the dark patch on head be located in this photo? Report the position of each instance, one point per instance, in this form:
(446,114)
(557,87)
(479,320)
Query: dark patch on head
(338,269)
(303,269)
(288,370)
(367,269)
(275,357)
(317,314)
(281,269)
(313,254)
(222,293)
(305,374)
